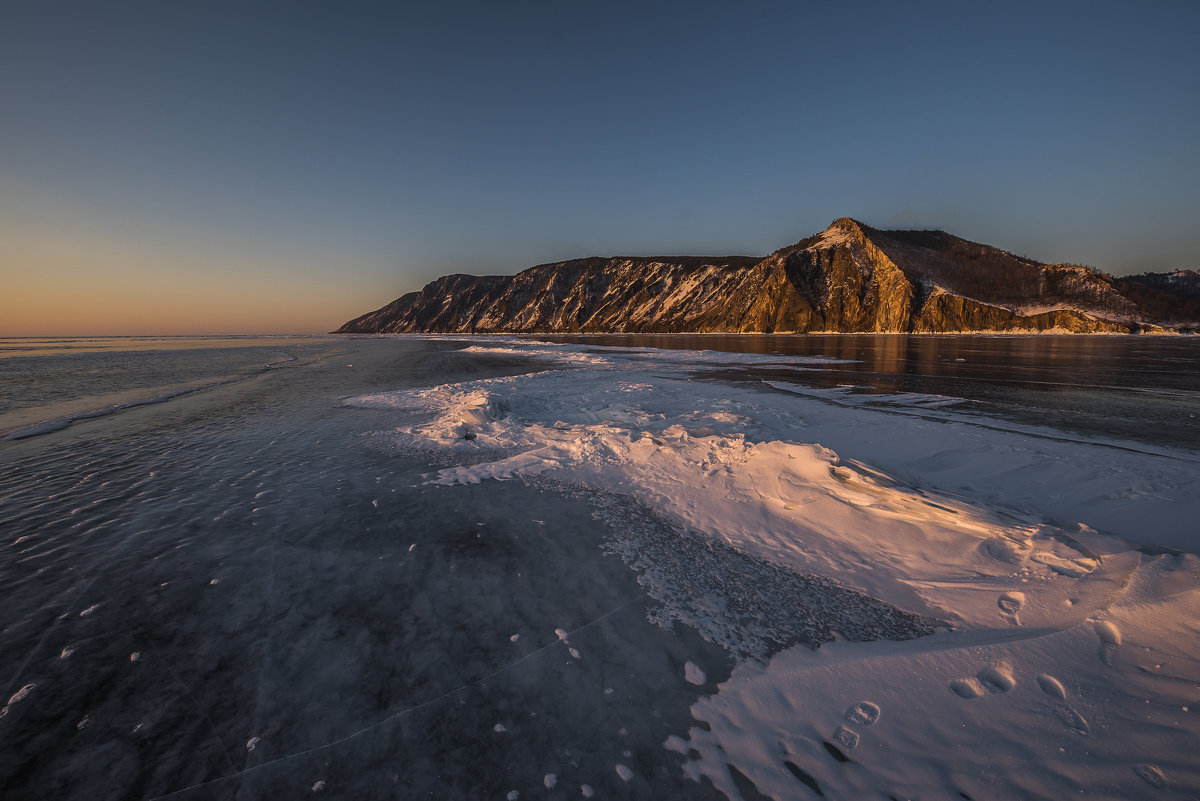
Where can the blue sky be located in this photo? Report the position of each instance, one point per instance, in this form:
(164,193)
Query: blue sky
(216,167)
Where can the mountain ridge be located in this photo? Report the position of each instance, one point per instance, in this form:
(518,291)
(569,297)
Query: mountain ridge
(848,278)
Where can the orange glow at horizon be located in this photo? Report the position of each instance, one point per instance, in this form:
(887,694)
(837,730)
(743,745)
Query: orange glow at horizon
(87,286)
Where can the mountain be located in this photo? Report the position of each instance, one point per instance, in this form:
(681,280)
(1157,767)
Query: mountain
(848,278)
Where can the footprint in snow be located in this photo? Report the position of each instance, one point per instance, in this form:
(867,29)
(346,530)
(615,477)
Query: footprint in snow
(1051,686)
(1110,640)
(864,713)
(997,678)
(847,737)
(1072,719)
(966,688)
(1010,604)
(1066,715)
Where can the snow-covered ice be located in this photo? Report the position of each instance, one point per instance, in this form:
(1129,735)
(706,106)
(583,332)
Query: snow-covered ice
(1054,642)
(453,571)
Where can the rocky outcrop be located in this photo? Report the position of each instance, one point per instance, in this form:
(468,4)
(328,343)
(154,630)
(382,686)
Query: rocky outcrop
(849,278)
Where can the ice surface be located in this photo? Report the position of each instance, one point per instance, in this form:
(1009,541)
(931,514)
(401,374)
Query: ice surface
(1020,545)
(639,575)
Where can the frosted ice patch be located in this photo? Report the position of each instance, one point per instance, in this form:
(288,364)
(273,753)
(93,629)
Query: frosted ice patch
(135,656)
(624,772)
(499,728)
(550,780)
(512,795)
(575,653)
(252,743)
(694,674)
(587,790)
(318,786)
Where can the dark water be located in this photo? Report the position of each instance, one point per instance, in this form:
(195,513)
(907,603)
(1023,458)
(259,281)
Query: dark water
(1138,388)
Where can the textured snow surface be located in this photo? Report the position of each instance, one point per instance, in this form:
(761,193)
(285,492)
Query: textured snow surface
(1066,656)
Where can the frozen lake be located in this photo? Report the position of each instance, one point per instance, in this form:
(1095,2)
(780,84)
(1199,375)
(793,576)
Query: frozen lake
(434,568)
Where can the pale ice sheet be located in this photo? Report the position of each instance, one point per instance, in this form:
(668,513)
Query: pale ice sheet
(1070,657)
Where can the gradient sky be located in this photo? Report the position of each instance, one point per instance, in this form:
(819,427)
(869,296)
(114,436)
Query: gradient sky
(209,167)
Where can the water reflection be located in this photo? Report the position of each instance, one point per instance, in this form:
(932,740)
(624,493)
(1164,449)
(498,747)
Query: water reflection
(1130,387)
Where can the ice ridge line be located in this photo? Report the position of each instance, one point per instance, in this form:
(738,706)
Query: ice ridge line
(403,712)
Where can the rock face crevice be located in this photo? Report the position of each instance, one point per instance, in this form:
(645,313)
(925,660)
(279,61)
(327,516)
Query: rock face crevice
(849,278)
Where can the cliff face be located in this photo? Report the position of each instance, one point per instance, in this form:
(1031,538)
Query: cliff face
(849,278)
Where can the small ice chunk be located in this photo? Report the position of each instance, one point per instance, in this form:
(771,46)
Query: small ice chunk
(624,772)
(89,610)
(514,638)
(135,656)
(499,728)
(575,653)
(214,582)
(66,652)
(694,674)
(81,725)
(561,634)
(1152,775)
(550,780)
(318,786)
(513,795)
(587,790)
(414,545)
(20,694)
(251,743)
